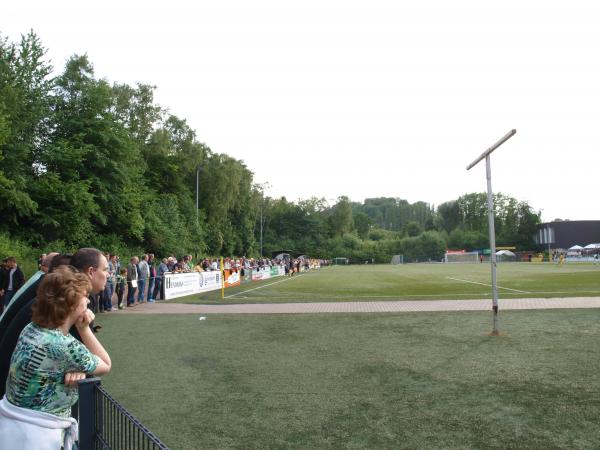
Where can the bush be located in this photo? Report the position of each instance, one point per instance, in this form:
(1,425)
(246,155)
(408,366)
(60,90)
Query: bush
(427,246)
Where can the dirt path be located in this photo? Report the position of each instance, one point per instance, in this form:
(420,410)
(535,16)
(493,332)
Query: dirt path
(363,307)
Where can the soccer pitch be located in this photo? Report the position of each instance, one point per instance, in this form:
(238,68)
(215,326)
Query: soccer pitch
(415,282)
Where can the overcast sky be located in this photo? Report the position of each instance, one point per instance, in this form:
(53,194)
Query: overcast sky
(363,99)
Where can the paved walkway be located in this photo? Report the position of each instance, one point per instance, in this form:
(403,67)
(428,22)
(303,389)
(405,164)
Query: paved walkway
(364,307)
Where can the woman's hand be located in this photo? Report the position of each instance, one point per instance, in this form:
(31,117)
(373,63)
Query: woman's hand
(72,378)
(85,319)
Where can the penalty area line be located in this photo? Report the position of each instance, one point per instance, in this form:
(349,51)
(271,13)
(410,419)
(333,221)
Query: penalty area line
(489,285)
(263,286)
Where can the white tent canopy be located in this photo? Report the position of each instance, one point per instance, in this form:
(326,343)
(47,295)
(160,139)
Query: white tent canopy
(592,246)
(505,253)
(576,247)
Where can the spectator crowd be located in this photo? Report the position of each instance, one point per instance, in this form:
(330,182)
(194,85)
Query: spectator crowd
(140,280)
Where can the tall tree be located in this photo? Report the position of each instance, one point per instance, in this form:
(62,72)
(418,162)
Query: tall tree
(340,219)
(24,109)
(90,147)
(449,215)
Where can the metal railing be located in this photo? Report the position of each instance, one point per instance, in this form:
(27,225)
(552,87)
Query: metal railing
(104,424)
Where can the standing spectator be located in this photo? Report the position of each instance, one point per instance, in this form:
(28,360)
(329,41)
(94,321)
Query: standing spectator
(94,264)
(132,276)
(117,264)
(14,281)
(104,298)
(121,281)
(160,273)
(144,273)
(171,264)
(30,287)
(109,289)
(3,277)
(151,278)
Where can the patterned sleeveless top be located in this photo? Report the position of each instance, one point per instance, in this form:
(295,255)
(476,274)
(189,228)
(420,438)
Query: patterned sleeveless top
(41,359)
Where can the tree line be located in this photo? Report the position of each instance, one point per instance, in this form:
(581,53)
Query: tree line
(381,227)
(85,162)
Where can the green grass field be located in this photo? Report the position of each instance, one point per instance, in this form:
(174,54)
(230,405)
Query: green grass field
(414,282)
(412,380)
(377,381)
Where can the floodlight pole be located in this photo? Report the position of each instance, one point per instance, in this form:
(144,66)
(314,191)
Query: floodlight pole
(261,229)
(198,169)
(197,191)
(490,199)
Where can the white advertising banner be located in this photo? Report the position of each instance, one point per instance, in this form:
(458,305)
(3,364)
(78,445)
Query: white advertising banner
(265,273)
(210,281)
(182,284)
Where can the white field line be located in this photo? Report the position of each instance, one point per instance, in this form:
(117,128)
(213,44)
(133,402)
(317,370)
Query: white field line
(489,285)
(264,286)
(341,297)
(409,296)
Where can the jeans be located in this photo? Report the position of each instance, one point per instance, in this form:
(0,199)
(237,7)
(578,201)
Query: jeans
(157,289)
(141,288)
(120,292)
(150,288)
(130,294)
(107,295)
(8,295)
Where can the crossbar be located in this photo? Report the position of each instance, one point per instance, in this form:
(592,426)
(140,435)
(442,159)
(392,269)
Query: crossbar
(506,137)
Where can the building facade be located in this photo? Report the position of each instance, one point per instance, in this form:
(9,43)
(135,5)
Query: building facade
(567,233)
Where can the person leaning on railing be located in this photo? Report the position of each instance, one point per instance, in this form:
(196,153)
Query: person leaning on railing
(47,364)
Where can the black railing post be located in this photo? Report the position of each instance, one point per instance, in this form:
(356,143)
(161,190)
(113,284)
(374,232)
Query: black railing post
(87,413)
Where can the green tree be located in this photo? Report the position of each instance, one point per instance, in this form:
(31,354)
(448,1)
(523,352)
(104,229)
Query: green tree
(25,88)
(340,219)
(448,216)
(412,229)
(88,146)
(362,223)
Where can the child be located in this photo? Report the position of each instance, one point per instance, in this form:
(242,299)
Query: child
(121,280)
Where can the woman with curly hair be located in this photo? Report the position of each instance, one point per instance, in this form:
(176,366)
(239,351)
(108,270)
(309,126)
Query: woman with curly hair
(47,364)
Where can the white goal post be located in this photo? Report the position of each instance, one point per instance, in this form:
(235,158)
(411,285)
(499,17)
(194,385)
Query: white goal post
(397,259)
(462,257)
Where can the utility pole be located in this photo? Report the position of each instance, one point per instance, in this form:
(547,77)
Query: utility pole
(490,201)
(197,191)
(198,170)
